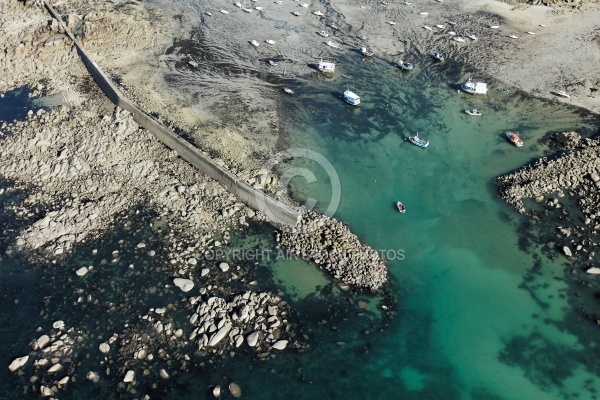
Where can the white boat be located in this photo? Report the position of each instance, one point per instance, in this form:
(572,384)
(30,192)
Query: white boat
(474,88)
(404,65)
(366,52)
(323,33)
(472,37)
(450,22)
(269,41)
(296,13)
(494,27)
(400,207)
(273,63)
(257,8)
(391,22)
(238,4)
(351,98)
(288,90)
(542,25)
(209,13)
(305,5)
(224,12)
(474,112)
(437,56)
(326,66)
(248,10)
(279,2)
(514,138)
(452,33)
(427,27)
(513,36)
(318,13)
(332,44)
(418,141)
(562,93)
(423,13)
(441,26)
(459,39)
(254,43)
(530,33)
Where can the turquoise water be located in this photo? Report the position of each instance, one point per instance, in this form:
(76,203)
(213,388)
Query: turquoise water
(479,311)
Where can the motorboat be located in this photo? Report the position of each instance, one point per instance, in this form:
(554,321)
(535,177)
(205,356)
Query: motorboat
(288,91)
(296,13)
(305,5)
(279,2)
(423,13)
(254,43)
(418,141)
(273,63)
(269,41)
(513,36)
(450,22)
(351,98)
(391,22)
(404,65)
(562,93)
(238,4)
(323,33)
(472,37)
(474,112)
(494,26)
(427,27)
(514,138)
(332,44)
(248,10)
(437,56)
(459,39)
(326,66)
(452,33)
(400,207)
(441,26)
(366,52)
(474,88)
(224,12)
(258,8)
(530,33)
(318,13)
(209,13)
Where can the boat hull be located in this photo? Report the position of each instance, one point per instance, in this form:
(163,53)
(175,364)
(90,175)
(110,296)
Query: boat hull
(351,98)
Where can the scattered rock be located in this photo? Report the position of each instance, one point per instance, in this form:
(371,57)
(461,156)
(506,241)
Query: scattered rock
(17,363)
(184,284)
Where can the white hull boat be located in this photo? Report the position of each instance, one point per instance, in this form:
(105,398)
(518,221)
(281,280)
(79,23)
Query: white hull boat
(427,27)
(459,39)
(418,141)
(318,13)
(351,98)
(288,91)
(332,44)
(296,13)
(405,65)
(254,43)
(437,56)
(562,93)
(400,207)
(270,41)
(326,67)
(472,37)
(323,33)
(474,112)
(514,138)
(366,52)
(474,88)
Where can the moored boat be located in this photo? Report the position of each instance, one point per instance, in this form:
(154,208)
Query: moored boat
(474,112)
(366,52)
(459,39)
(273,63)
(288,91)
(254,43)
(472,37)
(474,88)
(427,27)
(514,138)
(326,66)
(332,44)
(296,13)
(269,41)
(562,93)
(318,13)
(323,33)
(404,65)
(418,141)
(351,98)
(400,207)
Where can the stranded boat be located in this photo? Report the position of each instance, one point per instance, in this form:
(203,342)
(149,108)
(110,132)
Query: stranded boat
(400,207)
(418,141)
(326,66)
(404,65)
(351,98)
(474,88)
(514,138)
(473,111)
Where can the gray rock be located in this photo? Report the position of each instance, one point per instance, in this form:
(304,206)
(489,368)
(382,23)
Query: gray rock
(129,376)
(224,266)
(104,348)
(220,334)
(567,251)
(17,363)
(280,344)
(184,284)
(252,339)
(82,271)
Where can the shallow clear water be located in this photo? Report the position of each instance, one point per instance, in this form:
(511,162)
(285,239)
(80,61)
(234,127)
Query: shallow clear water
(480,313)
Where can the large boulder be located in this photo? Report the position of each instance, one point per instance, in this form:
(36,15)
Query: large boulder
(184,284)
(220,334)
(17,363)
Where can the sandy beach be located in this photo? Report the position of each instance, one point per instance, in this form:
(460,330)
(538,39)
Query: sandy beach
(85,163)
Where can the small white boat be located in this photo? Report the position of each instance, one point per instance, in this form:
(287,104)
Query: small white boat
(474,88)
(305,5)
(474,112)
(452,33)
(404,65)
(248,10)
(514,138)
(279,2)
(408,3)
(494,26)
(441,26)
(423,13)
(318,13)
(254,43)
(257,8)
(459,39)
(288,90)
(562,93)
(427,27)
(530,33)
(332,44)
(513,36)
(418,141)
(542,25)
(323,33)
(351,98)
(273,63)
(238,4)
(472,37)
(269,41)
(391,22)
(437,56)
(327,67)
(450,22)
(224,12)
(209,13)
(296,13)
(366,52)
(400,207)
